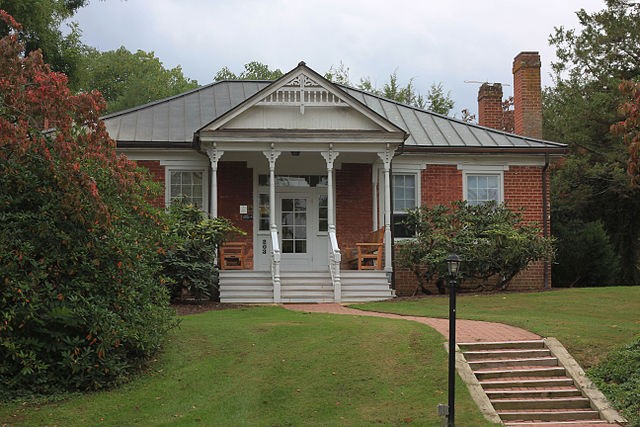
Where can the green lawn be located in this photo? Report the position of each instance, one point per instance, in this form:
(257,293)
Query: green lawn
(590,322)
(267,366)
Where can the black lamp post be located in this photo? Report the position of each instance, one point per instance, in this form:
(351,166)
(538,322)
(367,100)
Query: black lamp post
(453,266)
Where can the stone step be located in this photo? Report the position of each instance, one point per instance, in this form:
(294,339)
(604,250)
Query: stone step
(582,423)
(541,403)
(521,383)
(501,345)
(506,354)
(553,416)
(521,394)
(512,363)
(519,373)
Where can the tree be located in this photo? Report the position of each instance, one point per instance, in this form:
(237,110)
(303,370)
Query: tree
(629,129)
(41,21)
(491,239)
(254,70)
(438,101)
(81,307)
(127,79)
(592,184)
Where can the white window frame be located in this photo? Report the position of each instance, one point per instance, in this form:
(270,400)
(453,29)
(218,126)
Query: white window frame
(480,170)
(179,168)
(418,202)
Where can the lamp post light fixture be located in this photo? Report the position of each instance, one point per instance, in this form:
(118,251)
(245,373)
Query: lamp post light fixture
(453,267)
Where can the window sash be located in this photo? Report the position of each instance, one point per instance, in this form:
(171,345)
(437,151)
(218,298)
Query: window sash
(187,184)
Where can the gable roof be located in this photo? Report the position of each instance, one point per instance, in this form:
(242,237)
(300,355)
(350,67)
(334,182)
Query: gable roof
(302,87)
(175,121)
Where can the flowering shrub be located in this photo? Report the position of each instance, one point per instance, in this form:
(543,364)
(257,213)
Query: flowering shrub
(80,304)
(491,240)
(190,256)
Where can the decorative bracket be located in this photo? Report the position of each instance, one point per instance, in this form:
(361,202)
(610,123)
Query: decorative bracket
(214,156)
(271,156)
(386,158)
(330,157)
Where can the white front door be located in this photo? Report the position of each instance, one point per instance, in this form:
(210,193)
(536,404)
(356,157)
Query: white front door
(295,217)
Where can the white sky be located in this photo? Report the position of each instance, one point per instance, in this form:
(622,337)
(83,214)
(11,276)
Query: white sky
(432,41)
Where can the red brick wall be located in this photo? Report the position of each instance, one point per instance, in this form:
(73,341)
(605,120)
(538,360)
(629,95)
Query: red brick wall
(527,95)
(157,172)
(354,216)
(490,105)
(441,184)
(235,188)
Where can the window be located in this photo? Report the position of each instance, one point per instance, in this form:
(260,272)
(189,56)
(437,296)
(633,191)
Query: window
(263,211)
(404,198)
(187,184)
(483,188)
(323,212)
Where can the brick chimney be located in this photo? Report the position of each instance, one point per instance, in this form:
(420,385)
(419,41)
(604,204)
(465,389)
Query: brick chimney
(527,95)
(490,105)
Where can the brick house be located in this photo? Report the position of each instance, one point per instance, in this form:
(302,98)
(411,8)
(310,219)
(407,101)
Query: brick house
(341,167)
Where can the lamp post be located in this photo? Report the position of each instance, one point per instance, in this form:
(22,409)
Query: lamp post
(453,266)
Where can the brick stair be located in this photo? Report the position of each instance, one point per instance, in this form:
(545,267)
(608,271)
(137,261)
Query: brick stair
(527,385)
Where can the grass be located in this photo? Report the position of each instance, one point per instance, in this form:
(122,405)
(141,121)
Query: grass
(266,366)
(590,322)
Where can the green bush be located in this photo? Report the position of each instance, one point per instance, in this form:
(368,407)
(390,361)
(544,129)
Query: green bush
(81,307)
(585,255)
(618,377)
(191,241)
(493,242)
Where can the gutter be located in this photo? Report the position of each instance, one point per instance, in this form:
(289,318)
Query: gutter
(545,216)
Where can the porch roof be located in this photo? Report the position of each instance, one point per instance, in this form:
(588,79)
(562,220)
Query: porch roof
(174,122)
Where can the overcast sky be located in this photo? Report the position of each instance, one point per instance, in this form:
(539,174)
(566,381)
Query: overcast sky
(431,41)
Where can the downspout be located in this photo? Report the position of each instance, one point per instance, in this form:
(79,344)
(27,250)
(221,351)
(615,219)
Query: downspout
(545,216)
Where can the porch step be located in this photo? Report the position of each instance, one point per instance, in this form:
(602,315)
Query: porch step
(527,385)
(363,286)
(249,286)
(245,286)
(306,287)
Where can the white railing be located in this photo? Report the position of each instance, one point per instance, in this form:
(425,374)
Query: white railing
(275,265)
(334,265)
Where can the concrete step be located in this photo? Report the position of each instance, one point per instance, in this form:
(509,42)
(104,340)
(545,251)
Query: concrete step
(541,403)
(512,363)
(552,416)
(501,345)
(521,383)
(582,423)
(555,371)
(533,393)
(506,354)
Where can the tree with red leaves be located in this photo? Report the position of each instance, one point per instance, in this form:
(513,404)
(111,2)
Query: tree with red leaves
(80,303)
(629,129)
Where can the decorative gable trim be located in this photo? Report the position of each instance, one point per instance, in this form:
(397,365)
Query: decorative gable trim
(304,88)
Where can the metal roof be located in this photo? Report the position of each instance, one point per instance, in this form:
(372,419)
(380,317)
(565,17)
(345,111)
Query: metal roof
(174,120)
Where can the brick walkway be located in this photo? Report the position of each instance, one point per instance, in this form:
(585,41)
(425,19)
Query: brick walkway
(466,330)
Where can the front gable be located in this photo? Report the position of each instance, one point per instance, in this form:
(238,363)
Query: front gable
(303,103)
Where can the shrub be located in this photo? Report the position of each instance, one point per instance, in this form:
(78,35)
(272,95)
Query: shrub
(80,304)
(493,242)
(191,244)
(618,377)
(585,255)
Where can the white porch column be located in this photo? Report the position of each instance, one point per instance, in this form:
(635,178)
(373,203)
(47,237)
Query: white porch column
(334,250)
(386,158)
(272,156)
(330,156)
(214,156)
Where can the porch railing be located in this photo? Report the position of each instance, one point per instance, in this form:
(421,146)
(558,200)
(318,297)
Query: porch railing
(275,265)
(334,265)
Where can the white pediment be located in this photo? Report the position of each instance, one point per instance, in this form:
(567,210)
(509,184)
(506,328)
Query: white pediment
(302,100)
